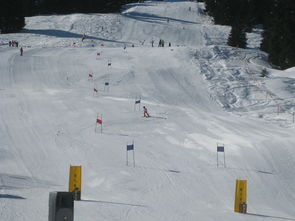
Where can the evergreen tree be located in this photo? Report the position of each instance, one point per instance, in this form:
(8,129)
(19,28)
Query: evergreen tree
(278,37)
(11,16)
(79,6)
(276,16)
(237,37)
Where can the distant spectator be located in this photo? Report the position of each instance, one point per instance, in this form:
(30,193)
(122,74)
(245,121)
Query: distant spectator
(83,37)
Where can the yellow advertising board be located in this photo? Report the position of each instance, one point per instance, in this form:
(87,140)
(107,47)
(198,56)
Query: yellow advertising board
(241,196)
(75,181)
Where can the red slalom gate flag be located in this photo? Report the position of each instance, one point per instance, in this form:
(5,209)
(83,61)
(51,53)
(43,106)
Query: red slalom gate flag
(98,121)
(95,90)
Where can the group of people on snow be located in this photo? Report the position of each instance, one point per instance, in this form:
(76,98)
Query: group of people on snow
(13,43)
(162,43)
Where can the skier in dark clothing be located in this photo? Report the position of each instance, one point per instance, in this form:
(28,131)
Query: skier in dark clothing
(21,51)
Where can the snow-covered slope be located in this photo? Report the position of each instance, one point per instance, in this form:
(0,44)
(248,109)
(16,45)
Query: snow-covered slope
(199,92)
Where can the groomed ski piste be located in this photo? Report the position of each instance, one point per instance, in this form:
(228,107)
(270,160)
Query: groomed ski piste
(200,93)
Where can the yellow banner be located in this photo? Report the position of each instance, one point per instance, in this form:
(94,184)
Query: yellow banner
(241,194)
(75,179)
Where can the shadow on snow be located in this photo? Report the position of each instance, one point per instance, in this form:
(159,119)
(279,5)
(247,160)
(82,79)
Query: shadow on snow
(267,216)
(115,203)
(64,34)
(8,196)
(154,18)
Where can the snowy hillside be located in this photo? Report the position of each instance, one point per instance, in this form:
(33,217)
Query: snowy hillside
(199,93)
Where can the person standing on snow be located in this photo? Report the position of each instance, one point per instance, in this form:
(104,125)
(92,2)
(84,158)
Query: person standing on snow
(145,112)
(83,37)
(21,51)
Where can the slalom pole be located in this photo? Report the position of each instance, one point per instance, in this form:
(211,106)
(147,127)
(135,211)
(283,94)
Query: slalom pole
(217,158)
(133,154)
(126,155)
(101,124)
(224,157)
(96,123)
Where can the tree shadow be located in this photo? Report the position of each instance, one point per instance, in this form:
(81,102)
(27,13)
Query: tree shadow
(64,34)
(252,170)
(154,18)
(158,169)
(115,203)
(8,196)
(267,216)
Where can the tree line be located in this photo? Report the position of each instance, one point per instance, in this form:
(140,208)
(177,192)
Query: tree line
(276,16)
(13,13)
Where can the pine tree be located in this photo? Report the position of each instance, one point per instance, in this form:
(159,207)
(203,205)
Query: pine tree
(11,16)
(279,34)
(237,37)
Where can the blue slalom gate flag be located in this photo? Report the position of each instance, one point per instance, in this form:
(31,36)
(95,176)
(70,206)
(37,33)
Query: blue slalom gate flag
(130,147)
(106,83)
(137,101)
(220,148)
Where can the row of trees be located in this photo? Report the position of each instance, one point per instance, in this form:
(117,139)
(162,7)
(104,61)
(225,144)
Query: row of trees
(33,7)
(77,6)
(276,16)
(11,16)
(12,13)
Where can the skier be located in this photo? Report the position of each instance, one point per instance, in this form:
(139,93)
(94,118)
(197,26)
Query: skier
(145,112)
(21,51)
(83,37)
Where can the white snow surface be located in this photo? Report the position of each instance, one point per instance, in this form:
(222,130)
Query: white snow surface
(199,92)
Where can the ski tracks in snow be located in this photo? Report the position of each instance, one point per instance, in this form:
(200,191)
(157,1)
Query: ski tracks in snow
(245,93)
